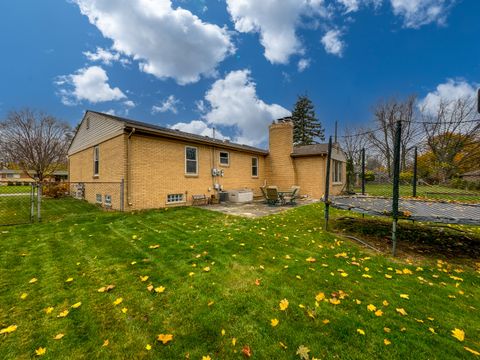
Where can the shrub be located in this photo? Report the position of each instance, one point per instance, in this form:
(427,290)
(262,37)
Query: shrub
(406,177)
(55,190)
(369,175)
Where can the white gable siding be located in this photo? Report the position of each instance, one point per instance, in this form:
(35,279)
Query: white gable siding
(100,128)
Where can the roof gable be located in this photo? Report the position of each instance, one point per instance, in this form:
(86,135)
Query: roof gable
(94,129)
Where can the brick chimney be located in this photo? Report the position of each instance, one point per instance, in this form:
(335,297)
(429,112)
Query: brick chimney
(281,169)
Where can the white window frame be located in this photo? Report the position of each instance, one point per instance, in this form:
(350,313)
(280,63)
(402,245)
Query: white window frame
(220,158)
(175,198)
(196,161)
(96,160)
(255,167)
(337,175)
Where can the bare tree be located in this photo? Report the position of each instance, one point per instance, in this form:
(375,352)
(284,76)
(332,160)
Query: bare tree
(382,140)
(353,141)
(35,141)
(452,135)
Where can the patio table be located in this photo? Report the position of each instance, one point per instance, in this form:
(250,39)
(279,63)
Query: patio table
(283,193)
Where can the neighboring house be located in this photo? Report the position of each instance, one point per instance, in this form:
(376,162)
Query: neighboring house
(471,176)
(161,167)
(16,176)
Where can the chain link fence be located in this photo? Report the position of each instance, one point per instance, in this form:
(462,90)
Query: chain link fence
(22,203)
(393,189)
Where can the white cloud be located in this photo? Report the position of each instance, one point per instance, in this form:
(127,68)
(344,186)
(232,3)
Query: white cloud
(234,102)
(303,64)
(129,104)
(276,21)
(200,128)
(90,84)
(167,42)
(105,56)
(169,104)
(350,5)
(333,43)
(449,91)
(417,13)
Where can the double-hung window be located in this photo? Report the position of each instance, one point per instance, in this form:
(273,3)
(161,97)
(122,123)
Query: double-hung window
(337,171)
(224,158)
(96,160)
(191,160)
(254,166)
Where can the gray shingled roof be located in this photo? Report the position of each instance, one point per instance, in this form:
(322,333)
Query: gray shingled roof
(160,130)
(307,150)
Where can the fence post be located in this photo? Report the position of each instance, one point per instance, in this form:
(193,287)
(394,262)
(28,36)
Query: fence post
(122,187)
(39,201)
(32,202)
(327,183)
(363,171)
(396,181)
(415,172)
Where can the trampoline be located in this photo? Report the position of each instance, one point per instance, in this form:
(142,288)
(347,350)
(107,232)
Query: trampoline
(412,209)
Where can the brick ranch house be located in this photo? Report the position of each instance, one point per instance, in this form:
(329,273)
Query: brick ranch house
(162,167)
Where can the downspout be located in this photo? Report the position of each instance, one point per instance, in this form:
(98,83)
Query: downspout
(129,202)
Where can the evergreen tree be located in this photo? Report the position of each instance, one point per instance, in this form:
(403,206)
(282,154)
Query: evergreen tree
(306,127)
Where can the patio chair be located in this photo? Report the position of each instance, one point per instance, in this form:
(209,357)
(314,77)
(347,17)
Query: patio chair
(272,196)
(291,199)
(264,193)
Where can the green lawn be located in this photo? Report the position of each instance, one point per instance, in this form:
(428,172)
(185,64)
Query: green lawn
(434,192)
(15,189)
(224,278)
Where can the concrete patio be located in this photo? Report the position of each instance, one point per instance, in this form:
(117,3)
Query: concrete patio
(256,208)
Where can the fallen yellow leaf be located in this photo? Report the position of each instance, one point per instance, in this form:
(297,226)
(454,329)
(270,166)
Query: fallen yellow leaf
(63,314)
(118,301)
(143,278)
(23,296)
(404,296)
(274,322)
(58,336)
(106,343)
(33,280)
(360,331)
(320,296)
(401,311)
(40,351)
(148,347)
(386,342)
(283,304)
(48,310)
(378,312)
(472,351)
(124,310)
(371,307)
(8,329)
(160,289)
(458,334)
(76,305)
(165,338)
(69,280)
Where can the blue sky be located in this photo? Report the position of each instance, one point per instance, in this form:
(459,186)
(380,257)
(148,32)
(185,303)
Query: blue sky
(233,64)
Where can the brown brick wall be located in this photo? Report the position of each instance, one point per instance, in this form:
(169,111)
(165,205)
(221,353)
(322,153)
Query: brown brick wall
(158,169)
(281,167)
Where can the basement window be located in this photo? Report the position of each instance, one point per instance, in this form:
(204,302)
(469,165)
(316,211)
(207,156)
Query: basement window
(224,158)
(99,199)
(108,201)
(174,198)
